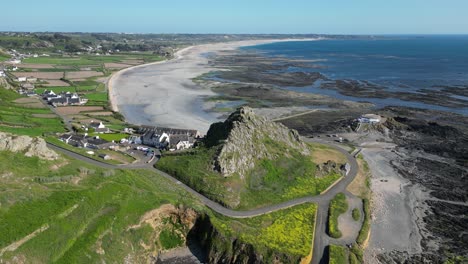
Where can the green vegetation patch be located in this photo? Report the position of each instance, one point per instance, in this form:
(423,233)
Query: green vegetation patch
(289,231)
(338,206)
(356,214)
(356,254)
(169,238)
(99,97)
(365,229)
(85,216)
(270,182)
(109,137)
(338,254)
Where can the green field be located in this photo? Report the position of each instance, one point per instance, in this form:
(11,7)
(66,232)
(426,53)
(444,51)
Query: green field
(82,207)
(97,97)
(270,182)
(15,118)
(109,137)
(288,231)
(90,60)
(338,206)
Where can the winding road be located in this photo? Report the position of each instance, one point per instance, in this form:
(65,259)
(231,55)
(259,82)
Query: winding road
(323,200)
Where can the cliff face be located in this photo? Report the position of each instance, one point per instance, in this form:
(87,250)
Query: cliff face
(220,248)
(31,146)
(245,138)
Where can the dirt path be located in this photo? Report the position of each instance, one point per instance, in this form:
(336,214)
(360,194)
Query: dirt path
(15,245)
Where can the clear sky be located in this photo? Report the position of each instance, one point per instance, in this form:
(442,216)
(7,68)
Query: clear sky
(238,16)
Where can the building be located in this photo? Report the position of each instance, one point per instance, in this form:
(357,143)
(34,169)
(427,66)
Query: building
(63,98)
(98,143)
(21,79)
(83,141)
(27,86)
(104,156)
(99,127)
(173,138)
(370,119)
(78,141)
(181,142)
(2,73)
(153,139)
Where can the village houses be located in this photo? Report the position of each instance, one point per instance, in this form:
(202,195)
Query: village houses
(169,138)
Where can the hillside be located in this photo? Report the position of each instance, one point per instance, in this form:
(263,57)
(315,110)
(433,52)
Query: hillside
(248,161)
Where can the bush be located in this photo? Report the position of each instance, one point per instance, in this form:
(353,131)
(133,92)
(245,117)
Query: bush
(338,206)
(356,214)
(337,254)
(364,232)
(170,239)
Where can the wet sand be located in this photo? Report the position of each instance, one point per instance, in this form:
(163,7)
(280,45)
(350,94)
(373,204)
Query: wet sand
(163,94)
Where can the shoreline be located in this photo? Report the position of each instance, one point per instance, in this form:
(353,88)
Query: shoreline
(170,98)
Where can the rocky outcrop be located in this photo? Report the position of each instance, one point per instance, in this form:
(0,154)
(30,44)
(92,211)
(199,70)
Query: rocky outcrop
(29,145)
(222,248)
(246,137)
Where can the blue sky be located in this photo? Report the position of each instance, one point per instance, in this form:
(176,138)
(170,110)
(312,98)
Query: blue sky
(238,16)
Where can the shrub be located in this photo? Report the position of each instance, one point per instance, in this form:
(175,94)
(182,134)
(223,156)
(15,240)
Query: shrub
(356,214)
(337,254)
(338,206)
(363,233)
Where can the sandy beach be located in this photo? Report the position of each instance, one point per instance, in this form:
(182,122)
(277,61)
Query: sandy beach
(163,94)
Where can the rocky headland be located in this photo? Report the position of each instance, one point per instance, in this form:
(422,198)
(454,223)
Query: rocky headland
(31,146)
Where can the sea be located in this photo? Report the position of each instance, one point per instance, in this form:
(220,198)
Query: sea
(397,63)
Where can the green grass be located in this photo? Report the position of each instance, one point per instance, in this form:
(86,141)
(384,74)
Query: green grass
(170,239)
(356,214)
(338,254)
(288,231)
(338,206)
(3,57)
(356,254)
(269,182)
(17,119)
(96,211)
(97,97)
(109,137)
(90,60)
(365,229)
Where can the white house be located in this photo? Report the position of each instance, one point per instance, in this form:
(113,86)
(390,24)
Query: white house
(99,127)
(135,140)
(370,118)
(183,144)
(21,79)
(2,74)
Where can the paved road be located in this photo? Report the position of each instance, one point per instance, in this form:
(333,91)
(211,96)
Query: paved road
(322,200)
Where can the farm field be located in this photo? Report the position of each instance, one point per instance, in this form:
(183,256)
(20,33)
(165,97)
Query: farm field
(16,117)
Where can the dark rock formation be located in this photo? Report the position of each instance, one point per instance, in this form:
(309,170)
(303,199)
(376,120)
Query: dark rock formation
(246,138)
